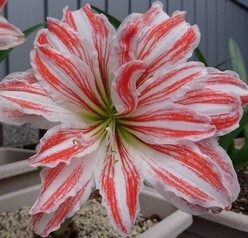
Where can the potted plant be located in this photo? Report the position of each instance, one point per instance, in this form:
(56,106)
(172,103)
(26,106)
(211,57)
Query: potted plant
(115,125)
(173,221)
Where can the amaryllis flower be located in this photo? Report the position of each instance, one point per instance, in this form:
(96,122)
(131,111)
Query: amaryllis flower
(10,36)
(125,107)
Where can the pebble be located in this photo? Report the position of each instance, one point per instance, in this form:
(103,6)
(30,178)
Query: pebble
(90,222)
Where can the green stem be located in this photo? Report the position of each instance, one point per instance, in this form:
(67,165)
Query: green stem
(64,226)
(199,55)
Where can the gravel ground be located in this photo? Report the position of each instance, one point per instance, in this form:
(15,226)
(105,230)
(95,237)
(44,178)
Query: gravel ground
(241,204)
(89,222)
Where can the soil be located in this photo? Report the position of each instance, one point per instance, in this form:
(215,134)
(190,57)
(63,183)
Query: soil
(241,204)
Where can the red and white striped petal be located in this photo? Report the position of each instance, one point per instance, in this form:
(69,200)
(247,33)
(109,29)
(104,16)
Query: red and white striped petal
(162,43)
(65,39)
(186,206)
(168,85)
(123,89)
(99,34)
(120,185)
(45,223)
(68,79)
(168,124)
(224,109)
(2,4)
(62,182)
(134,28)
(228,82)
(64,142)
(217,154)
(25,98)
(170,43)
(13,116)
(10,36)
(182,170)
(10,115)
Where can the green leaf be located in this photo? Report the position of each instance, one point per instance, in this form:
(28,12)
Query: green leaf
(226,140)
(114,21)
(238,64)
(231,148)
(246,133)
(4,54)
(32,29)
(29,31)
(240,158)
(63,228)
(199,55)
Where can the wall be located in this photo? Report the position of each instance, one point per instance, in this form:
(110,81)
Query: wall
(218,20)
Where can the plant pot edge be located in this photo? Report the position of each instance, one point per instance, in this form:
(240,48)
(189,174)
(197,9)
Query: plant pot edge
(229,218)
(15,167)
(169,227)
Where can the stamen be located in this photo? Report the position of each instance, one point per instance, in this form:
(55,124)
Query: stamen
(111,144)
(110,135)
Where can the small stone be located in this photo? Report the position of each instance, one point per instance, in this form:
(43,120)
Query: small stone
(91,222)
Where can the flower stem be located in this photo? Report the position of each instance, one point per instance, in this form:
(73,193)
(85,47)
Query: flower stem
(64,226)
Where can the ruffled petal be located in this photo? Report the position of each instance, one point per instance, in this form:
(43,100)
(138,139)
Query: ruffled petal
(168,85)
(68,80)
(224,109)
(10,115)
(10,36)
(45,223)
(123,90)
(62,38)
(120,185)
(228,82)
(183,171)
(217,154)
(134,28)
(170,43)
(64,142)
(186,206)
(99,34)
(23,99)
(162,43)
(168,123)
(62,182)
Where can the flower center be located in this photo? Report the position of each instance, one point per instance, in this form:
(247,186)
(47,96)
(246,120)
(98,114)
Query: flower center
(110,117)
